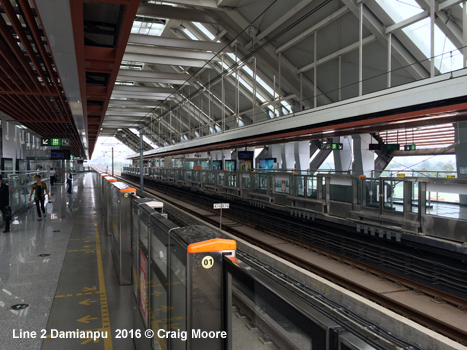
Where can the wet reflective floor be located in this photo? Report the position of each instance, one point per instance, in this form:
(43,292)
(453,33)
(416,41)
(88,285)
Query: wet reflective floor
(62,269)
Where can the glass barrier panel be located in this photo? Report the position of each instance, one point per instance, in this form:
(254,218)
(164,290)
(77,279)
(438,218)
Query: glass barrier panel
(312,187)
(158,286)
(178,292)
(299,185)
(220,179)
(281,184)
(371,193)
(445,204)
(196,176)
(414,196)
(245,180)
(393,194)
(188,176)
(210,178)
(340,193)
(231,180)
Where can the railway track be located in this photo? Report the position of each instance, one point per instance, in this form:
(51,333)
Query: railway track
(447,329)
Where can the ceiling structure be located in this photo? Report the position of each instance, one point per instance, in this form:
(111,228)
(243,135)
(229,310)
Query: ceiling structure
(31,92)
(195,69)
(184,70)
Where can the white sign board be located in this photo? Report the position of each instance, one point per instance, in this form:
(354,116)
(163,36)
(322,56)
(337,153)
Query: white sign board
(221,205)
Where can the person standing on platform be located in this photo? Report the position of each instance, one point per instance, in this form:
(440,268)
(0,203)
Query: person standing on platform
(52,177)
(5,204)
(69,179)
(39,189)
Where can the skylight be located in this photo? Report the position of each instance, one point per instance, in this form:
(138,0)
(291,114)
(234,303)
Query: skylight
(189,33)
(204,30)
(419,33)
(147,28)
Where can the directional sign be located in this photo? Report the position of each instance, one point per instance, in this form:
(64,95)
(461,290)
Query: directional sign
(55,142)
(332,146)
(411,147)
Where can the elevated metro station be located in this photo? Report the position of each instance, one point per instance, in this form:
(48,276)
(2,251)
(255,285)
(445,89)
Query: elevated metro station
(268,199)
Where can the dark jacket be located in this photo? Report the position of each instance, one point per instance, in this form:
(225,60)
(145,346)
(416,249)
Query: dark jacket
(4,196)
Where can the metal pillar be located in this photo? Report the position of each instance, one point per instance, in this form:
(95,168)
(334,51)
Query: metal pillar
(339,83)
(360,53)
(141,165)
(315,74)
(389,59)
(464,33)
(432,40)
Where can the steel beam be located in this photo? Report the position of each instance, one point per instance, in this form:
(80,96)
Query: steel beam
(321,24)
(177,13)
(336,54)
(178,43)
(170,52)
(163,60)
(407,22)
(278,22)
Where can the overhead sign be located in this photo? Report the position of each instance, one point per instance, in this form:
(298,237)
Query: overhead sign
(401,175)
(386,147)
(55,142)
(332,146)
(391,147)
(451,176)
(411,147)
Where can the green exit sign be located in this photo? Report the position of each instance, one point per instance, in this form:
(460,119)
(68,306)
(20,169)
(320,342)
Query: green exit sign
(54,141)
(72,158)
(411,147)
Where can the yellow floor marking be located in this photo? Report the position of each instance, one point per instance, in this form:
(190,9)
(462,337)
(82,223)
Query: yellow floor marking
(104,309)
(81,250)
(87,319)
(76,295)
(89,289)
(87,302)
(89,339)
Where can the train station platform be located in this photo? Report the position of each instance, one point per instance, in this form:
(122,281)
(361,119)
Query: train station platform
(62,269)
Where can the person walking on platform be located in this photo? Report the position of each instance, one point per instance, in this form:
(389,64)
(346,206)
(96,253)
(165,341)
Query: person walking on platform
(52,177)
(39,189)
(5,204)
(69,179)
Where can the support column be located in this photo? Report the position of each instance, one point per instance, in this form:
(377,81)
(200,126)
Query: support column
(302,155)
(288,154)
(464,32)
(360,52)
(343,159)
(276,152)
(364,160)
(432,38)
(461,155)
(389,60)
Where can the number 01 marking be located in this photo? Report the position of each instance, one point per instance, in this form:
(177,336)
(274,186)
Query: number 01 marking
(207,262)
